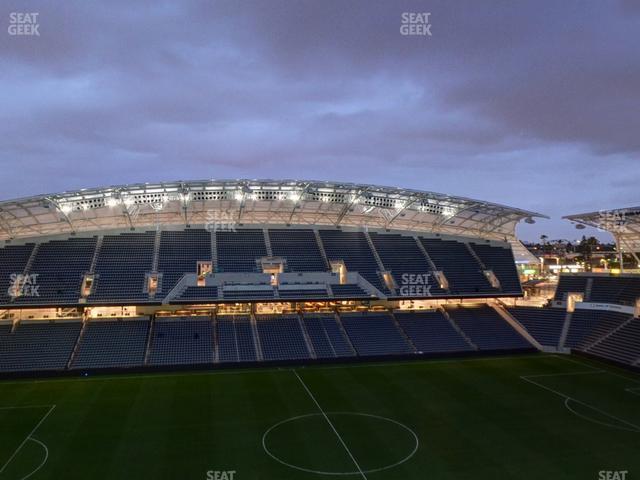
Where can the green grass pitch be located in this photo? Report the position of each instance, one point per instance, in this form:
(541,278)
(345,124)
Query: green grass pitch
(524,417)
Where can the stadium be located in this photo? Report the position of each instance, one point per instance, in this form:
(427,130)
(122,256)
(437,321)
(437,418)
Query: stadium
(304,329)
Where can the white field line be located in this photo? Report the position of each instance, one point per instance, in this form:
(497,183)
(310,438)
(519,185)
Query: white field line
(28,437)
(355,462)
(588,372)
(44,460)
(634,390)
(25,406)
(567,398)
(240,371)
(615,374)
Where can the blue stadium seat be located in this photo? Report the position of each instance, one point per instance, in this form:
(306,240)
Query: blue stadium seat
(431,332)
(37,345)
(123,262)
(487,329)
(462,270)
(180,252)
(239,250)
(299,248)
(182,341)
(281,337)
(544,324)
(374,334)
(112,343)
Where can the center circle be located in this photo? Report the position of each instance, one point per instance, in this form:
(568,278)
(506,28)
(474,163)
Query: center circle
(357,432)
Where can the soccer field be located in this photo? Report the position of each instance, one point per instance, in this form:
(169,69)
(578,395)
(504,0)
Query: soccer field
(527,417)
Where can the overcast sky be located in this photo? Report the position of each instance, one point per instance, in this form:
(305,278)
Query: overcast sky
(535,105)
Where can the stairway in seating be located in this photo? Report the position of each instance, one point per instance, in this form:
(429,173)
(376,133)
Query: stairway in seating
(344,333)
(214,251)
(402,332)
(156,251)
(256,338)
(604,337)
(267,242)
(77,345)
(565,331)
(214,333)
(96,254)
(587,290)
(147,350)
(455,326)
(32,258)
(321,248)
(381,267)
(307,338)
(475,255)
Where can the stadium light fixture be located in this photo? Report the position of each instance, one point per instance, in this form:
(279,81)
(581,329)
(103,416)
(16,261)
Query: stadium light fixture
(66,208)
(112,202)
(294,196)
(239,196)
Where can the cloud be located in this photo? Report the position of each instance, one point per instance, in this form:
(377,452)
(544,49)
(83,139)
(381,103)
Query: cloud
(530,104)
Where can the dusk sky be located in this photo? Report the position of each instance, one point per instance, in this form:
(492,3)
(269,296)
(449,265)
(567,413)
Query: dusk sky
(530,104)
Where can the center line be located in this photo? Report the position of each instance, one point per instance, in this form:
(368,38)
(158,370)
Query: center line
(355,462)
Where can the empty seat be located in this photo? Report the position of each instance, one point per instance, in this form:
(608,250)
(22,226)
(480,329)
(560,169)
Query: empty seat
(544,324)
(37,345)
(112,343)
(353,249)
(374,334)
(327,338)
(462,270)
(281,337)
(431,332)
(180,252)
(500,260)
(182,341)
(299,248)
(487,329)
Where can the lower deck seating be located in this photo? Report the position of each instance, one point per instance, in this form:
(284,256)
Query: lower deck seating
(431,332)
(281,337)
(587,326)
(374,334)
(622,346)
(234,339)
(112,343)
(38,345)
(326,336)
(487,329)
(182,341)
(544,324)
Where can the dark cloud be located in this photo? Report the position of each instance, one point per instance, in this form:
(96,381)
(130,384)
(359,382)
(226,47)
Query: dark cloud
(533,104)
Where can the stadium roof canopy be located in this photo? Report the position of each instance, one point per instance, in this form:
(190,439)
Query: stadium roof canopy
(622,223)
(295,202)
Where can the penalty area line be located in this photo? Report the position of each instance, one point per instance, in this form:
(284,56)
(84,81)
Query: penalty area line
(568,398)
(29,437)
